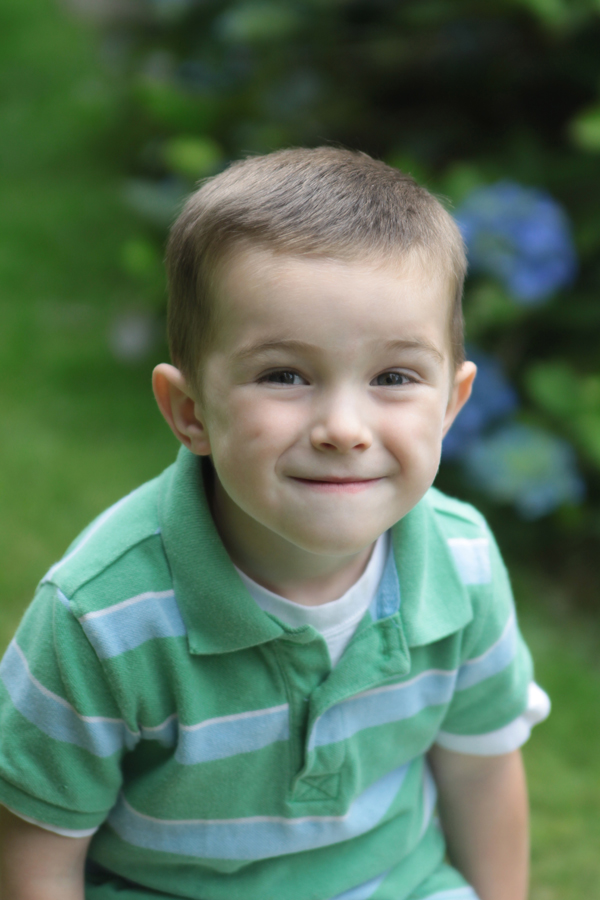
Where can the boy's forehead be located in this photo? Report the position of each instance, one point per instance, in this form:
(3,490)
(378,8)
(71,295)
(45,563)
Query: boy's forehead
(243,272)
(260,290)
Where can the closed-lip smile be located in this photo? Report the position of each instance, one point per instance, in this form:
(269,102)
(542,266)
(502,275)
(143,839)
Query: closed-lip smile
(333,483)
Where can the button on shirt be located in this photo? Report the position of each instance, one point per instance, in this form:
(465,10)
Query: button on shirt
(211,744)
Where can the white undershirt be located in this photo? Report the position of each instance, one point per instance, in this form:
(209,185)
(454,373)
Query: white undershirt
(336,620)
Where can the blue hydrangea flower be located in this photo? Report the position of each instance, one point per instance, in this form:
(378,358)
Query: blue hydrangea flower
(493,398)
(526,466)
(521,236)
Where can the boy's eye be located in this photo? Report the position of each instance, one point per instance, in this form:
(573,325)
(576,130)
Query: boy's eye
(284,376)
(391,379)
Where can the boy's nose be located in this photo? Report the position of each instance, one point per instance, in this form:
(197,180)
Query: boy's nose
(340,428)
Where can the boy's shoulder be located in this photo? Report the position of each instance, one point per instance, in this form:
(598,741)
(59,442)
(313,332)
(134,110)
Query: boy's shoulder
(153,565)
(119,552)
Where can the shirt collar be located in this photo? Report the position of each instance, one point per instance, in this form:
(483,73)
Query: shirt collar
(221,616)
(435,602)
(219,613)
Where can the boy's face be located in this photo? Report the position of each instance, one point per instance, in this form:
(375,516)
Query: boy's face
(325,396)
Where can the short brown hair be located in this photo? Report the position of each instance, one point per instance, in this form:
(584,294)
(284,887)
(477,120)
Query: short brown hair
(325,202)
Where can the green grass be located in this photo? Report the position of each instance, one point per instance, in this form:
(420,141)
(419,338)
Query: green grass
(562,754)
(78,429)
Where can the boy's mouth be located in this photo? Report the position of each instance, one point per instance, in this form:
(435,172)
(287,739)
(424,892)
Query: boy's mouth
(331,483)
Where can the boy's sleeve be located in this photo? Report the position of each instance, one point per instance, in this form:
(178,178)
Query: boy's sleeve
(62,735)
(496,702)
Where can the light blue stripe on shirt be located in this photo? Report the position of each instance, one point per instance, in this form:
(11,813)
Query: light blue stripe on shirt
(387,599)
(221,737)
(127,625)
(381,706)
(256,837)
(55,716)
(230,735)
(165,733)
(493,661)
(64,600)
(472,559)
(365,890)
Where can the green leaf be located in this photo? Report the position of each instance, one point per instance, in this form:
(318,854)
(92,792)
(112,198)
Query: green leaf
(587,431)
(409,165)
(254,22)
(488,306)
(571,398)
(460,179)
(554,387)
(169,106)
(553,13)
(193,157)
(584,129)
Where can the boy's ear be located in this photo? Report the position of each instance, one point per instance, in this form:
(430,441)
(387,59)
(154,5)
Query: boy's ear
(461,391)
(181,410)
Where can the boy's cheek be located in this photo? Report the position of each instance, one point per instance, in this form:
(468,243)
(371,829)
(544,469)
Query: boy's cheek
(268,423)
(419,430)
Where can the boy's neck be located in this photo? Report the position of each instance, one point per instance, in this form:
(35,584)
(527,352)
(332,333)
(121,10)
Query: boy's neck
(307,578)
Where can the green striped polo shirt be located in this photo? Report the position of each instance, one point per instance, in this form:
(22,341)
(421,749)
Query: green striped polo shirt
(211,748)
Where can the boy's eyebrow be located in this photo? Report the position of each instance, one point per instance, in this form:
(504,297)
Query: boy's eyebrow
(259,347)
(275,344)
(419,345)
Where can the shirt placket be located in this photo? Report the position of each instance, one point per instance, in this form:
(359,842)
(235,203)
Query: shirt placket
(325,771)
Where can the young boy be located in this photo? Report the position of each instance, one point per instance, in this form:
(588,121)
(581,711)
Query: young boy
(247,679)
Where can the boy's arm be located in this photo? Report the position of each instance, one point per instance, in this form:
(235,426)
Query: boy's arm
(484,811)
(36,864)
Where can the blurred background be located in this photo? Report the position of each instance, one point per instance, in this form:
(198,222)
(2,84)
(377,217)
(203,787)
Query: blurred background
(110,112)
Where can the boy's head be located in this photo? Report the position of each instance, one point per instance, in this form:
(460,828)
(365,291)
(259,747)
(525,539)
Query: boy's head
(325,203)
(315,325)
